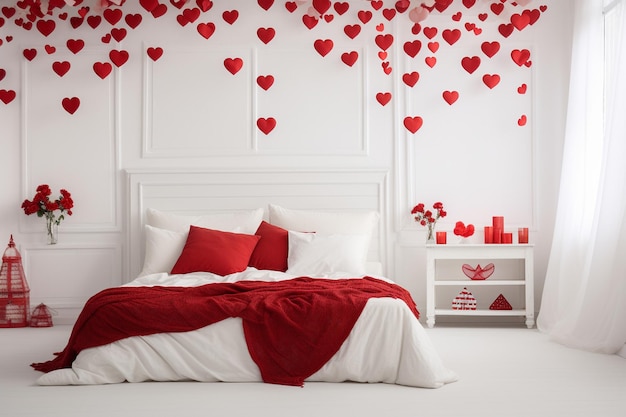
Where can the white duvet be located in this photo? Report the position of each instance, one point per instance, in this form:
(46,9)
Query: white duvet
(387,344)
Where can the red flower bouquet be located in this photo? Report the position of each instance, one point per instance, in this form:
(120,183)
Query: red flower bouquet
(44,207)
(428,218)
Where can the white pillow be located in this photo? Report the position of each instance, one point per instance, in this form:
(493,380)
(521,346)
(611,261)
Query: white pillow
(163,247)
(246,221)
(349,223)
(314,254)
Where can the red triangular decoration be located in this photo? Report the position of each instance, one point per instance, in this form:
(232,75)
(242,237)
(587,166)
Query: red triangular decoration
(500,303)
(464,301)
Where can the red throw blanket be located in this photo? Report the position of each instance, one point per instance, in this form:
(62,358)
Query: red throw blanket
(292,328)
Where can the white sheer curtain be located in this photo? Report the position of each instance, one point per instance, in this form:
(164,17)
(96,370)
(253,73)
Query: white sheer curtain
(584,299)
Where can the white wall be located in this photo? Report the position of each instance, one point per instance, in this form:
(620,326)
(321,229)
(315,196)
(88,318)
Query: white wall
(186,110)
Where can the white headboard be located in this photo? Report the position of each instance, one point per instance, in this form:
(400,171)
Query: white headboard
(215,191)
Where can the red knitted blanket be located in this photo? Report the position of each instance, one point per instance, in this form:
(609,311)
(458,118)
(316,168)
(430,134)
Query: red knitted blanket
(292,328)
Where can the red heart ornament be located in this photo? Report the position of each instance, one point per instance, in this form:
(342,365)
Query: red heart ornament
(133,20)
(376,4)
(94,21)
(533,15)
(341,7)
(154,53)
(382,55)
(323,46)
(364,16)
(352,31)
(520,57)
(75,45)
(430,32)
(431,61)
(451,35)
(191,15)
(411,79)
(233,65)
(76,22)
(3,74)
(389,14)
(118,34)
(402,5)
(482,16)
(384,41)
(291,6)
(159,11)
(309,21)
(45,27)
(70,104)
(522,120)
(50,49)
(102,69)
(386,68)
(265,4)
(266,34)
(321,6)
(231,16)
(265,81)
(412,48)
(522,89)
(349,58)
(433,46)
(383,98)
(470,64)
(61,67)
(413,124)
(266,125)
(457,16)
(149,5)
(497,8)
(520,21)
(7,96)
(204,5)
(119,58)
(505,29)
(29,54)
(490,48)
(450,96)
(491,80)
(206,30)
(178,3)
(112,16)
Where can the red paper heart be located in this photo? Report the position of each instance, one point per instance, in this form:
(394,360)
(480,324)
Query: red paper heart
(70,104)
(433,46)
(451,35)
(506,29)
(50,49)
(386,68)
(522,89)
(470,26)
(520,57)
(431,61)
(206,30)
(352,31)
(119,58)
(231,16)
(402,5)
(8,11)
(349,58)
(384,41)
(102,69)
(82,12)
(412,48)
(470,64)
(389,14)
(159,11)
(364,16)
(106,38)
(442,5)
(482,16)
(233,65)
(112,16)
(413,124)
(382,55)
(341,7)
(94,21)
(383,98)
(380,27)
(321,6)
(291,6)
(497,8)
(46,27)
(7,96)
(376,4)
(411,79)
(309,21)
(533,15)
(491,80)
(3,73)
(457,16)
(265,81)
(61,67)
(450,96)
(323,46)
(430,32)
(133,20)
(266,125)
(149,5)
(29,54)
(154,53)
(522,120)
(520,21)
(191,15)
(178,3)
(266,34)
(75,45)
(118,34)
(490,48)
(204,5)
(265,4)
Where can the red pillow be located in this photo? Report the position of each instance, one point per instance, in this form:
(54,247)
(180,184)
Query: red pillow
(272,250)
(214,251)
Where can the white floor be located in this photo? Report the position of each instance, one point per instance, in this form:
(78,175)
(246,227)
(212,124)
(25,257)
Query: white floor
(503,372)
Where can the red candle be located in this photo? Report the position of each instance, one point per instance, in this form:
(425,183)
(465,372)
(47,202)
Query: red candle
(488,234)
(442,238)
(498,222)
(522,235)
(507,238)
(497,235)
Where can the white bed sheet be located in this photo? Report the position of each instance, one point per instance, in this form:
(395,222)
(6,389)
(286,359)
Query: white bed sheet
(387,344)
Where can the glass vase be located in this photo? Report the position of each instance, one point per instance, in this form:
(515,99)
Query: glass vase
(430,236)
(52,231)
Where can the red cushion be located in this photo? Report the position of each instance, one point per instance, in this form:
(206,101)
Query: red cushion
(272,250)
(214,251)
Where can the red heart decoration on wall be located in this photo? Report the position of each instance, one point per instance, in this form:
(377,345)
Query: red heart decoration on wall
(159,11)
(352,31)
(204,5)
(383,98)
(384,41)
(112,16)
(386,68)
(451,35)
(29,54)
(75,45)
(413,124)
(522,120)
(505,29)
(470,64)
(364,16)
(94,21)
(411,79)
(206,29)
(412,48)
(230,16)
(102,69)
(520,21)
(491,80)
(490,48)
(61,67)
(522,89)
(265,81)
(341,7)
(433,46)
(376,4)
(3,74)
(133,20)
(118,34)
(266,34)
(323,46)
(191,15)
(450,96)
(389,14)
(533,15)
(430,32)
(431,61)
(349,58)
(8,11)
(154,53)
(50,49)
(309,21)
(321,6)
(70,104)
(119,58)
(266,125)
(46,27)
(233,65)
(7,96)
(520,57)
(149,5)
(265,4)
(497,8)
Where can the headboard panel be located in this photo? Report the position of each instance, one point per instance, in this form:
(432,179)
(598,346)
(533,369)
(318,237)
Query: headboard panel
(202,192)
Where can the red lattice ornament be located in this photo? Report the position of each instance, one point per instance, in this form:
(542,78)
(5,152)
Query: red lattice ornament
(464,301)
(478,273)
(500,303)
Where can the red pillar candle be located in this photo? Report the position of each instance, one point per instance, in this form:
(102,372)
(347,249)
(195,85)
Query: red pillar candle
(522,235)
(497,235)
(498,222)
(488,234)
(442,238)
(507,238)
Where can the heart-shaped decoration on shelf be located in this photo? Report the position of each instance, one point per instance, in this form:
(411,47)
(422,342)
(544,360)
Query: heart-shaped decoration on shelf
(479,273)
(70,104)
(266,125)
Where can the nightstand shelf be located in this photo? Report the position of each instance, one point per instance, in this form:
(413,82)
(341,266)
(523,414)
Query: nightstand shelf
(436,280)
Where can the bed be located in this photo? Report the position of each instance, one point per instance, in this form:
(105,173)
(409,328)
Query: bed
(272,294)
